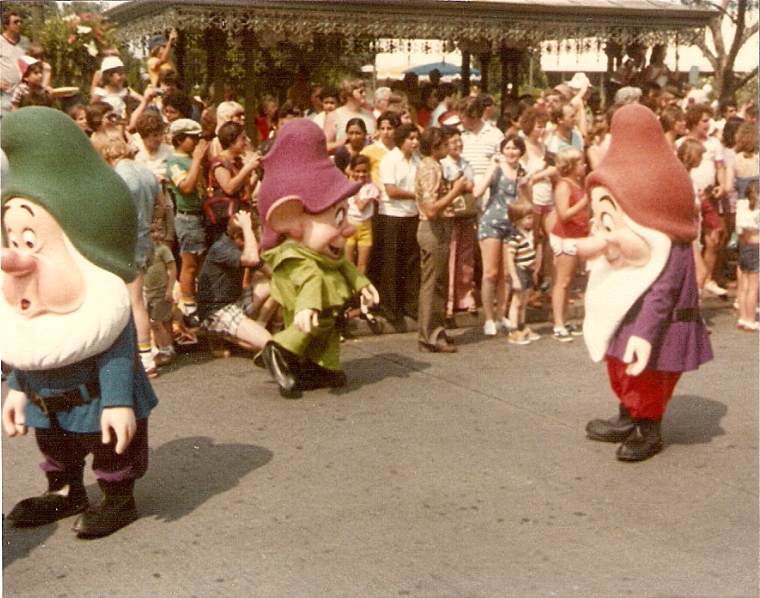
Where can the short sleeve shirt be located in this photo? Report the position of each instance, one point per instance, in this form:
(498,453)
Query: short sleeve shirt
(220,281)
(396,170)
(177,167)
(479,147)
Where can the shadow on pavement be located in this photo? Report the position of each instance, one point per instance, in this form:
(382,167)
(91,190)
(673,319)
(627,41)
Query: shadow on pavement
(186,472)
(18,543)
(693,420)
(369,370)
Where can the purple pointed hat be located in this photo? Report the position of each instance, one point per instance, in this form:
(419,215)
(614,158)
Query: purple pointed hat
(298,167)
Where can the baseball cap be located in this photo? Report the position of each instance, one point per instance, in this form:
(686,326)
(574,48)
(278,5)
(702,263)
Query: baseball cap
(184,126)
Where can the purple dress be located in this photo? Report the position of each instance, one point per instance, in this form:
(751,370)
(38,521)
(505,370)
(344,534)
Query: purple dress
(667,316)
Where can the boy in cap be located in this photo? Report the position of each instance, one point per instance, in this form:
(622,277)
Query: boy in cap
(303,202)
(642,304)
(183,170)
(70,229)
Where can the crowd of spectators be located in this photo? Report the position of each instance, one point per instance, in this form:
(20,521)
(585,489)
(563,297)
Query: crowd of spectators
(464,207)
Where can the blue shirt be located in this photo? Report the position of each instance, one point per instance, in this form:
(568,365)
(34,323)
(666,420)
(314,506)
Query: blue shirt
(122,379)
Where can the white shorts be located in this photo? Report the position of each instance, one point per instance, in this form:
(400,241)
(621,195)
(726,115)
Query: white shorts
(562,246)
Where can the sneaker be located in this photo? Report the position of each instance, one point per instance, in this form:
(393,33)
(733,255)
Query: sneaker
(747,326)
(531,334)
(562,335)
(712,287)
(148,363)
(164,356)
(574,330)
(518,337)
(489,328)
(506,325)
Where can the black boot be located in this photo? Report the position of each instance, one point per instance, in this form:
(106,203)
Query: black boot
(643,442)
(615,429)
(66,496)
(282,365)
(116,510)
(313,376)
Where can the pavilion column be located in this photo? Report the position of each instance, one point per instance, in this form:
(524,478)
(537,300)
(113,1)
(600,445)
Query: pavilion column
(250,45)
(215,46)
(180,57)
(504,83)
(485,63)
(465,73)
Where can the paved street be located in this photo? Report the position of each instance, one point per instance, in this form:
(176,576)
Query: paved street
(430,476)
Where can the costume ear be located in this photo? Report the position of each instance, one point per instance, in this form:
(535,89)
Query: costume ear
(286,217)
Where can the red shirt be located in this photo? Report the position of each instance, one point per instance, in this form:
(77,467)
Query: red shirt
(577,226)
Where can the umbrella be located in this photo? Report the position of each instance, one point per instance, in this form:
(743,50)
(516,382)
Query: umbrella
(445,68)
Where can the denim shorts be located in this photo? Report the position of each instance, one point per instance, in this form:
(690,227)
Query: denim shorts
(191,233)
(749,258)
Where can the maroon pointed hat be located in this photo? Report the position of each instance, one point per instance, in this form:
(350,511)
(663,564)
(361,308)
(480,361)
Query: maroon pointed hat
(645,176)
(298,167)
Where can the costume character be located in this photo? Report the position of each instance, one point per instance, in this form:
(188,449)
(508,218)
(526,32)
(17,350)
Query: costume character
(642,303)
(304,204)
(70,230)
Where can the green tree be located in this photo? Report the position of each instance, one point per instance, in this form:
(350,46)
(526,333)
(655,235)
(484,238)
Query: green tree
(722,52)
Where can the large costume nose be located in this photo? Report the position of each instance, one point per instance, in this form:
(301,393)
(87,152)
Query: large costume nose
(348,231)
(17,264)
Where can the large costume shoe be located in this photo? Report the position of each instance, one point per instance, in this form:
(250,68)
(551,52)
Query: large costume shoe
(312,376)
(66,496)
(282,365)
(115,511)
(615,429)
(643,442)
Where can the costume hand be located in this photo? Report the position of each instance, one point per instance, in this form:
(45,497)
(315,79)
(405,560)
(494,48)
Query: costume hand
(637,353)
(14,420)
(306,319)
(122,421)
(370,295)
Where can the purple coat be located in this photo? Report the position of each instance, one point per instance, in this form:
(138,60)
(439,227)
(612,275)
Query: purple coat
(662,317)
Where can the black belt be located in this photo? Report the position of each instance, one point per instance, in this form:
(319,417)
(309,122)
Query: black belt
(687,314)
(65,401)
(186,213)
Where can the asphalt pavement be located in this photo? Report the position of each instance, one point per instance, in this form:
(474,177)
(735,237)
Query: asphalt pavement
(429,476)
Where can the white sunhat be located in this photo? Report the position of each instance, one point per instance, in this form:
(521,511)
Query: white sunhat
(111,62)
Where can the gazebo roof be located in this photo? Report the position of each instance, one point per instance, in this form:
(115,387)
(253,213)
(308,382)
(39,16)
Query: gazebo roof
(463,22)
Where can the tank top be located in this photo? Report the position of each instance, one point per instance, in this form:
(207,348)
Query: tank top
(577,226)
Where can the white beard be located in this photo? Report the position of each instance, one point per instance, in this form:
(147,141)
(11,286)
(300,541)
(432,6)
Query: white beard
(52,340)
(611,292)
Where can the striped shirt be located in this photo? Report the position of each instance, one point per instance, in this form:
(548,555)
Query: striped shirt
(479,147)
(521,246)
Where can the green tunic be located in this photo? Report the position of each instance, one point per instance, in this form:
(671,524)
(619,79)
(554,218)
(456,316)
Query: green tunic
(304,279)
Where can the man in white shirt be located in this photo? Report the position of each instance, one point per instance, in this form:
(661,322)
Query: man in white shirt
(13,46)
(397,221)
(480,139)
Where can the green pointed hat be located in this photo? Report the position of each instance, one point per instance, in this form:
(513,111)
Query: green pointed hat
(51,162)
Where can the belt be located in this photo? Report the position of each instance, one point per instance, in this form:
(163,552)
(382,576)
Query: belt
(67,400)
(686,314)
(189,213)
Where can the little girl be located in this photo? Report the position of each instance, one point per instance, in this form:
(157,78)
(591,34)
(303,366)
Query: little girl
(112,89)
(690,154)
(747,224)
(356,139)
(572,222)
(361,208)
(521,259)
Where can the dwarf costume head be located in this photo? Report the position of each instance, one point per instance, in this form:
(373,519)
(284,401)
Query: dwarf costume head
(643,201)
(70,229)
(299,179)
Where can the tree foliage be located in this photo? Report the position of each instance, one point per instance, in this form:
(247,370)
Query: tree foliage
(722,53)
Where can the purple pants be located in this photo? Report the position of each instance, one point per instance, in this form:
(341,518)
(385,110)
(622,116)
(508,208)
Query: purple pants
(65,452)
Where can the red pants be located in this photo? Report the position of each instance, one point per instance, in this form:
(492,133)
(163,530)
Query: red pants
(645,396)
